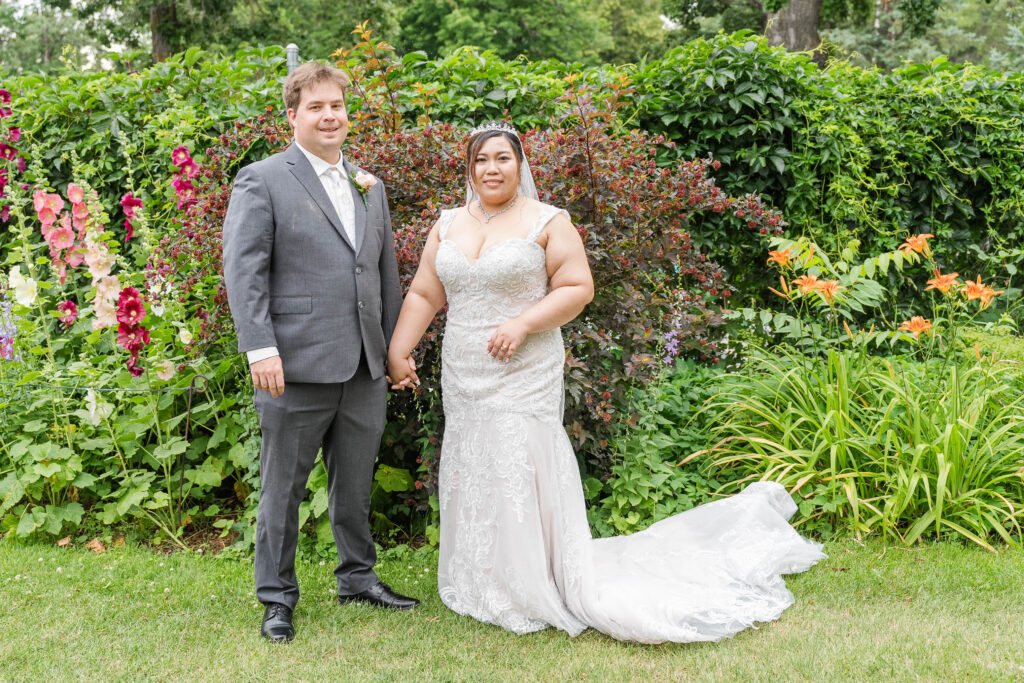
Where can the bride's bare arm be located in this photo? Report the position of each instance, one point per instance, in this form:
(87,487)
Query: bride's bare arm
(425,298)
(572,288)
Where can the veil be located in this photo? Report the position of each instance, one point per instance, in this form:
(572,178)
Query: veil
(527,187)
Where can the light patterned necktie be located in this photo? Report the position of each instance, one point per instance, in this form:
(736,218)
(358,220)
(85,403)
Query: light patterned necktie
(341,198)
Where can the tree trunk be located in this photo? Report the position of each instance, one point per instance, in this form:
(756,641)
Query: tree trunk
(796,26)
(161,24)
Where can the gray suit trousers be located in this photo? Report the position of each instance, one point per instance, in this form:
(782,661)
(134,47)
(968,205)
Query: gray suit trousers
(346,419)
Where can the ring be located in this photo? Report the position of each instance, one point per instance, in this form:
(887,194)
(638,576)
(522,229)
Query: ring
(504,346)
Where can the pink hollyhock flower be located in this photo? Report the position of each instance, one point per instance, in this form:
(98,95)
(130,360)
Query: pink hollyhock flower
(76,194)
(129,230)
(130,310)
(14,134)
(132,337)
(6,151)
(47,207)
(5,214)
(108,288)
(190,168)
(99,260)
(80,211)
(5,96)
(180,155)
(70,311)
(106,314)
(165,371)
(5,112)
(62,270)
(61,238)
(74,257)
(182,184)
(129,204)
(20,164)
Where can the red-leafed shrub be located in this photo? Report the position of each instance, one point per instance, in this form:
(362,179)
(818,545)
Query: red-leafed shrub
(655,294)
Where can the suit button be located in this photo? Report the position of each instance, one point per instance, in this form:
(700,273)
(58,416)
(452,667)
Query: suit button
(360,305)
(359,269)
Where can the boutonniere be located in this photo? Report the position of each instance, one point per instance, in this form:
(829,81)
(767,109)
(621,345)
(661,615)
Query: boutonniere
(363,182)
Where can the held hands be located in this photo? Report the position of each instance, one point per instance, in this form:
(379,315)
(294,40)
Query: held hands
(402,372)
(268,375)
(506,339)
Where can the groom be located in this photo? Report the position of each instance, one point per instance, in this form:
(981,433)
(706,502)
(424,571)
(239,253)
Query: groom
(309,265)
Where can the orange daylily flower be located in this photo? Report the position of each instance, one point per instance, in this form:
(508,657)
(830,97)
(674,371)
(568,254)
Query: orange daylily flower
(828,290)
(918,243)
(807,283)
(916,326)
(978,290)
(780,257)
(941,282)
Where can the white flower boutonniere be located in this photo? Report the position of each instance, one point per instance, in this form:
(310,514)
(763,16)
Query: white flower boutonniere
(363,182)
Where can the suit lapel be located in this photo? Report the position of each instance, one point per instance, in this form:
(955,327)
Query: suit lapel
(303,172)
(359,203)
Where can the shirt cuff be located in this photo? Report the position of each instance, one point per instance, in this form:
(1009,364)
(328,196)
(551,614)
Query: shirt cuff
(256,355)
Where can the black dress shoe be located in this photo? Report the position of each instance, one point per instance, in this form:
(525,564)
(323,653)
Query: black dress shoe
(277,623)
(380,595)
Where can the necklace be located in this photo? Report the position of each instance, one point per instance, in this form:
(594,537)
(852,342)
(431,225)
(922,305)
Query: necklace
(489,216)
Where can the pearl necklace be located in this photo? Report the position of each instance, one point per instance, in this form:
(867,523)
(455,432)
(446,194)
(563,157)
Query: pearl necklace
(489,216)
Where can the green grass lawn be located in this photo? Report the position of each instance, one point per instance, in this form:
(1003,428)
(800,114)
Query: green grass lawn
(872,612)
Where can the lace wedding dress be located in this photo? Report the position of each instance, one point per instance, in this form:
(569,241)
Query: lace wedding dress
(516,549)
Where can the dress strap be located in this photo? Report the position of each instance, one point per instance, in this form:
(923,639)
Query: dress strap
(445,222)
(547,212)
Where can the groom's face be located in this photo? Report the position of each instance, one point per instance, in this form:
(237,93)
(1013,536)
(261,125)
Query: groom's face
(320,121)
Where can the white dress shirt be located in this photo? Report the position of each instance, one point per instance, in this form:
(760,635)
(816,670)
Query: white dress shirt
(336,184)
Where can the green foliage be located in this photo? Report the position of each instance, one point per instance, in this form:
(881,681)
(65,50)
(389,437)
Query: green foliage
(649,480)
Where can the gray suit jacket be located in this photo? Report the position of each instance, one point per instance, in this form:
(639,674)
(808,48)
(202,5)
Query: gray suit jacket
(295,281)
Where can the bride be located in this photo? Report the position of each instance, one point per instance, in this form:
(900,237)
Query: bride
(515,548)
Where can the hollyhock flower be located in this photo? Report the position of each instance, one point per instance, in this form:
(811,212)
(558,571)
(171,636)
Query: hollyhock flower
(916,325)
(106,314)
(165,371)
(129,230)
(5,96)
(80,211)
(190,168)
(99,260)
(61,238)
(5,112)
(130,203)
(25,288)
(14,134)
(76,194)
(184,336)
(132,337)
(5,214)
(180,155)
(47,207)
(108,288)
(98,410)
(20,164)
(6,151)
(70,311)
(130,309)
(74,257)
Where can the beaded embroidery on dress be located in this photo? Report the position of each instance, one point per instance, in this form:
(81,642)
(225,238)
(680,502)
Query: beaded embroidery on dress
(516,548)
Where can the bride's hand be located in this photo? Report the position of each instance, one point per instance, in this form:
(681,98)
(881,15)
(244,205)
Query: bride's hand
(506,339)
(402,372)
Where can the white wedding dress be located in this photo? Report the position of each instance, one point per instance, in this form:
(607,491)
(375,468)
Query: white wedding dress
(516,549)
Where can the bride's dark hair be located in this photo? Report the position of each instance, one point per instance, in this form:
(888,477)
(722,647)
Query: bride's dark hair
(478,140)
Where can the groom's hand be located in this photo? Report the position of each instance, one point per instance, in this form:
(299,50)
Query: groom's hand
(268,375)
(402,373)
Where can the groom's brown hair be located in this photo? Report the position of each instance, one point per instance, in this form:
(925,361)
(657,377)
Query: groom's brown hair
(308,75)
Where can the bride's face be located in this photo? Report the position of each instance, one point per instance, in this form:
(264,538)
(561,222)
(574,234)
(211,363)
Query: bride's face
(496,171)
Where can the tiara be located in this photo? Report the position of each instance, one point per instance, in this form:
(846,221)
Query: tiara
(500,126)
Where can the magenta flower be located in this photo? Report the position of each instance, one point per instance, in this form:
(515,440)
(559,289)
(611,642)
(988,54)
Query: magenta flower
(190,168)
(20,164)
(14,134)
(129,204)
(180,155)
(70,311)
(132,337)
(6,151)
(130,310)
(5,96)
